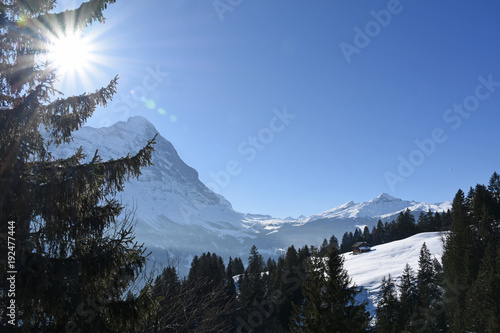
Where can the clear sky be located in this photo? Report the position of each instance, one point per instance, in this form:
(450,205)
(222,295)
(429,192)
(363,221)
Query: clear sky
(295,107)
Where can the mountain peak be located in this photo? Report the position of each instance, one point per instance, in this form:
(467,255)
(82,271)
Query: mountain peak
(385,197)
(138,120)
(139,123)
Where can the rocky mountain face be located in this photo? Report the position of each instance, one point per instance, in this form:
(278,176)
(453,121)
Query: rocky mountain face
(177,214)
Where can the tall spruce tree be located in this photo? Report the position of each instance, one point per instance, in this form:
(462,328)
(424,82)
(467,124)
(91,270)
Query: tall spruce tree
(388,308)
(334,242)
(494,188)
(75,256)
(255,306)
(204,302)
(471,250)
(482,309)
(329,299)
(456,259)
(429,312)
(208,296)
(347,242)
(293,269)
(405,225)
(408,296)
(168,294)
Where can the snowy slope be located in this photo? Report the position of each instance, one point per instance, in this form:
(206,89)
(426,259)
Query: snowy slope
(368,269)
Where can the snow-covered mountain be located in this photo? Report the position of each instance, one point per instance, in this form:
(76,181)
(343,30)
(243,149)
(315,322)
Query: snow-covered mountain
(176,212)
(382,207)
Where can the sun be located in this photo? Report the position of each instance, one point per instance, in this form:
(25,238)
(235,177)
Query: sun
(70,53)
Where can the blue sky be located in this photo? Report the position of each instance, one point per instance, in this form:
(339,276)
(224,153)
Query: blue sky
(295,107)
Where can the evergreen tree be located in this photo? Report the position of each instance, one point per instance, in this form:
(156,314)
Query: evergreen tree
(482,309)
(405,225)
(334,242)
(357,237)
(237,266)
(456,258)
(255,262)
(256,307)
(329,299)
(210,295)
(347,242)
(392,231)
(424,222)
(366,237)
(375,236)
(483,214)
(290,285)
(207,270)
(470,261)
(426,274)
(446,220)
(324,248)
(380,234)
(75,253)
(304,253)
(408,296)
(204,302)
(306,317)
(429,312)
(388,308)
(167,292)
(494,188)
(437,222)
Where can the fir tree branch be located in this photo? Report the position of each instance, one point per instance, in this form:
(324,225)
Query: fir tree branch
(64,116)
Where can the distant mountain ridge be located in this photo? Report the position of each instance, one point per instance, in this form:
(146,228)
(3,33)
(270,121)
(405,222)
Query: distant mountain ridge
(177,212)
(384,206)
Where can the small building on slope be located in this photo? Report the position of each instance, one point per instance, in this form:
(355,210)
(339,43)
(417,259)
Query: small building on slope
(360,247)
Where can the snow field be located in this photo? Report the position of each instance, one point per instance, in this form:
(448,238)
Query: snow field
(368,269)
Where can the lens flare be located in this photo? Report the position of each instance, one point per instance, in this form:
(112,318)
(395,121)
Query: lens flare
(70,53)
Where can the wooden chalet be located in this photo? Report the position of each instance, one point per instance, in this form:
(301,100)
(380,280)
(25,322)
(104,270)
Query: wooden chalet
(360,247)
